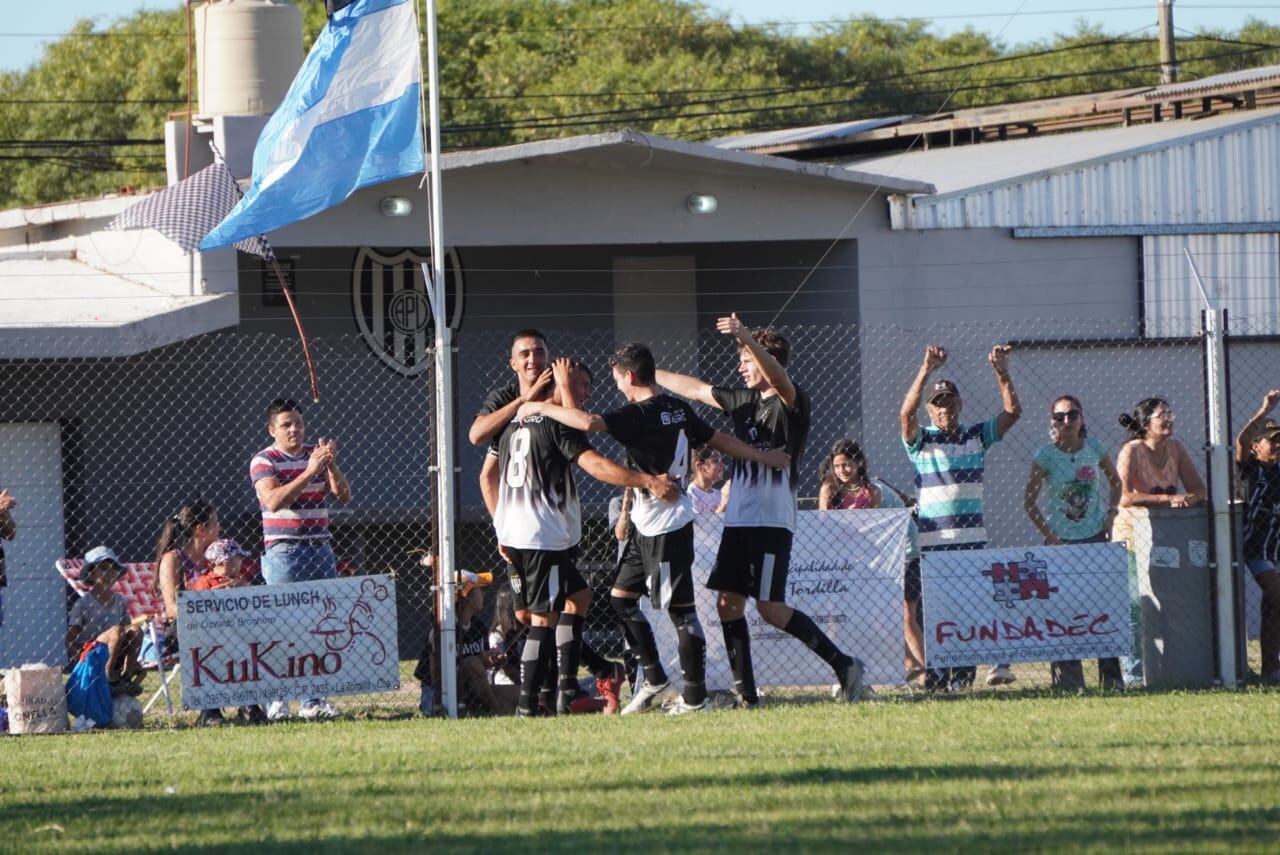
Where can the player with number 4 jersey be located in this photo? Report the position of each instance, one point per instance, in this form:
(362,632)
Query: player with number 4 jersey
(659,433)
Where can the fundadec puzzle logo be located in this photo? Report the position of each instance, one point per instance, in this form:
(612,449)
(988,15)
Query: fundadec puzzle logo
(1016,581)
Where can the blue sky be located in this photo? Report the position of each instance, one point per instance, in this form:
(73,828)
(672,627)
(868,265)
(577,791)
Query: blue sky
(27,26)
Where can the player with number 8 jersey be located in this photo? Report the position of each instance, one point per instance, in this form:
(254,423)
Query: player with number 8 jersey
(539,522)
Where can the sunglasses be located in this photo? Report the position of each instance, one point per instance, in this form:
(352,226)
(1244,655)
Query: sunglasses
(1066,416)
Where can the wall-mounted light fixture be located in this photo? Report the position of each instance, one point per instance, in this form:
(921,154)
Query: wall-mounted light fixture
(396,206)
(701,203)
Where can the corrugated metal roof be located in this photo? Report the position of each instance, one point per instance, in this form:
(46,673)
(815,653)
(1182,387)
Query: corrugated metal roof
(813,133)
(1221,169)
(1229,80)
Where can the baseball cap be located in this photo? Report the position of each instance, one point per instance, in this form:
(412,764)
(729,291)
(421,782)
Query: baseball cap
(99,554)
(222,551)
(943,387)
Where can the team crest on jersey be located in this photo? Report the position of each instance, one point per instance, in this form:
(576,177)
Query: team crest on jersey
(391,307)
(673,417)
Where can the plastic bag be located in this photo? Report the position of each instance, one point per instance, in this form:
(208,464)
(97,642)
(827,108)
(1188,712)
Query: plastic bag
(88,693)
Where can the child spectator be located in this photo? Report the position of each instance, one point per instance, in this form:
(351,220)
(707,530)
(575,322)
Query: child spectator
(708,469)
(845,483)
(100,616)
(224,558)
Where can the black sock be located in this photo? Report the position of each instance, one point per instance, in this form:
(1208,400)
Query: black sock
(550,676)
(737,643)
(531,672)
(600,668)
(693,653)
(569,648)
(640,637)
(815,639)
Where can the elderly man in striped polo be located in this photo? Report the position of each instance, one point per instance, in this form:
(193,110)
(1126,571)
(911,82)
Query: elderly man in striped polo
(949,457)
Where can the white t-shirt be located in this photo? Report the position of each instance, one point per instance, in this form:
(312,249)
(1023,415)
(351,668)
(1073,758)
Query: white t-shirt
(704,501)
(94,618)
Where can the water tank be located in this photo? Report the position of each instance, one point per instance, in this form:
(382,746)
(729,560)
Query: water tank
(247,53)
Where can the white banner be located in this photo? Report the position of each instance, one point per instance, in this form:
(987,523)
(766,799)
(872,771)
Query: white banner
(846,574)
(1029,604)
(242,646)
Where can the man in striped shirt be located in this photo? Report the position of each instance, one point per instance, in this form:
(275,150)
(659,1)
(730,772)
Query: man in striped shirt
(294,481)
(949,458)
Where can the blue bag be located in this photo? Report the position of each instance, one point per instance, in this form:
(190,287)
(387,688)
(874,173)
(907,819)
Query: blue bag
(88,694)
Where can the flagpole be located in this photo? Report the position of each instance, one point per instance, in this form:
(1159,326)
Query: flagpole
(444,388)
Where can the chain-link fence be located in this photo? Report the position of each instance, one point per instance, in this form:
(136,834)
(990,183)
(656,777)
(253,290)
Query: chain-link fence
(106,451)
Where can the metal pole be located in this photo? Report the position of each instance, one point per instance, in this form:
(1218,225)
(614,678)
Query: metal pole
(1219,483)
(1168,52)
(444,391)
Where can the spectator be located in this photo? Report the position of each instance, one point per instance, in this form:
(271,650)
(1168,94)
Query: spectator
(8,531)
(293,481)
(475,656)
(949,458)
(180,550)
(224,559)
(101,616)
(1155,471)
(506,635)
(1084,489)
(845,483)
(1153,466)
(1258,456)
(912,619)
(708,469)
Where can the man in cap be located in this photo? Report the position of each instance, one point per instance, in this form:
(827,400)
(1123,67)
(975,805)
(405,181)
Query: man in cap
(1258,458)
(949,457)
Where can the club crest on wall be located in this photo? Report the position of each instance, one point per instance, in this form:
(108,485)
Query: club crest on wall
(392,311)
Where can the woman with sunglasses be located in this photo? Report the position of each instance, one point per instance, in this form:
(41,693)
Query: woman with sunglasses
(1083,491)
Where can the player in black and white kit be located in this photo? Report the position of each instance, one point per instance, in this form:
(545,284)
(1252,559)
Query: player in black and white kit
(659,433)
(755,550)
(535,379)
(539,523)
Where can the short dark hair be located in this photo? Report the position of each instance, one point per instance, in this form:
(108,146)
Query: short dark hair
(579,365)
(636,358)
(774,342)
(281,405)
(529,333)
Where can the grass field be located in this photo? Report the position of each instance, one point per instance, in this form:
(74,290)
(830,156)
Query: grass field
(1193,772)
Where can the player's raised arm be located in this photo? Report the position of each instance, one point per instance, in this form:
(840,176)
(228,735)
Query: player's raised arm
(771,368)
(774,458)
(687,387)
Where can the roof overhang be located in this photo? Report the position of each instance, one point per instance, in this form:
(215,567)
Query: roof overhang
(642,149)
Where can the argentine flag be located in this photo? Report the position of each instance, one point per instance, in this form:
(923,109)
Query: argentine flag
(350,119)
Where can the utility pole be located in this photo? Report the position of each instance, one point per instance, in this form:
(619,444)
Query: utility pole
(1168,54)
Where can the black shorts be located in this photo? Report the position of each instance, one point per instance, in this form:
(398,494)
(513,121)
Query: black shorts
(660,566)
(517,592)
(911,581)
(542,580)
(753,561)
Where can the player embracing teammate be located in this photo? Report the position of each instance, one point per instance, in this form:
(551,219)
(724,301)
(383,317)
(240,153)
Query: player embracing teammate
(772,412)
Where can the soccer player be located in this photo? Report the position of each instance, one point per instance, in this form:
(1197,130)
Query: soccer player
(535,379)
(539,522)
(755,550)
(658,432)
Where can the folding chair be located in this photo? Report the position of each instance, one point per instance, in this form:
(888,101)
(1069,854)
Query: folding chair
(143,605)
